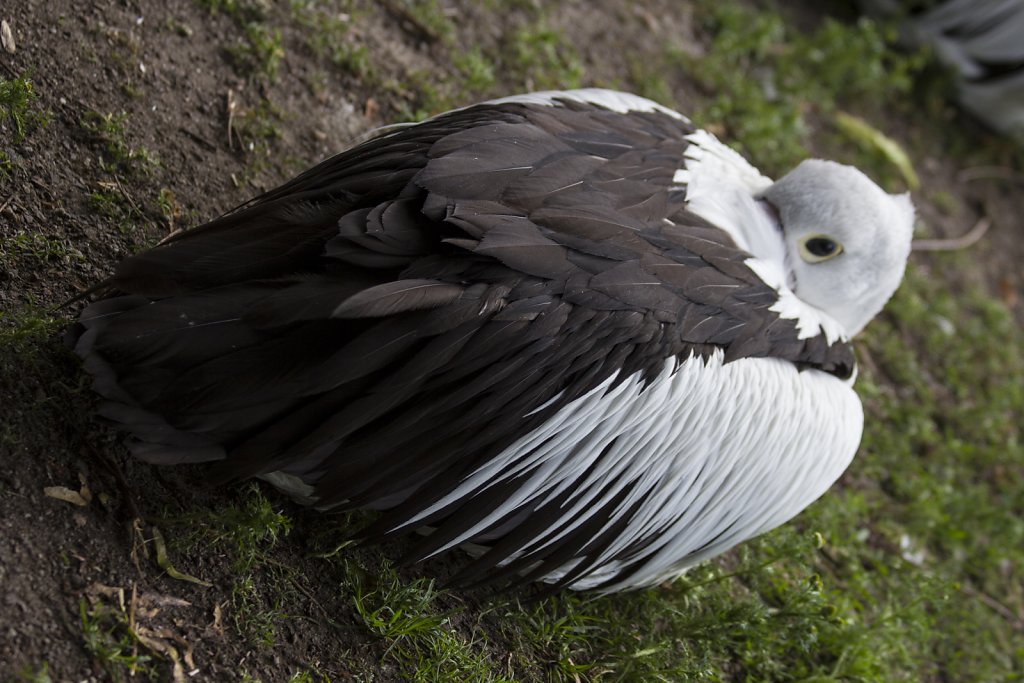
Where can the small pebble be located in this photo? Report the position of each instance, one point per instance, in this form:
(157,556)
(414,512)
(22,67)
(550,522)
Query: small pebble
(7,36)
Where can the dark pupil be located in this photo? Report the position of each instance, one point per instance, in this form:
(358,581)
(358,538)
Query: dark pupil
(821,246)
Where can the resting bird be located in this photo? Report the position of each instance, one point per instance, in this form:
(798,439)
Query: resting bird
(568,330)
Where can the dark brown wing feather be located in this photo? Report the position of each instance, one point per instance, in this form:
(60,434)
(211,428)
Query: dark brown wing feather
(390,320)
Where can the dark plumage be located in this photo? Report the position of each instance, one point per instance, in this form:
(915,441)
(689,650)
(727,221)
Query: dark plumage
(395,319)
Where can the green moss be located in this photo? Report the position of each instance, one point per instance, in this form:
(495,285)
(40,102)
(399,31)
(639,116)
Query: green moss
(31,674)
(419,634)
(943,447)
(108,132)
(110,202)
(420,98)
(107,636)
(476,71)
(309,677)
(42,249)
(259,126)
(19,107)
(25,328)
(329,35)
(6,166)
(256,130)
(429,18)
(259,53)
(538,57)
(765,76)
(647,79)
(241,10)
(248,530)
(168,206)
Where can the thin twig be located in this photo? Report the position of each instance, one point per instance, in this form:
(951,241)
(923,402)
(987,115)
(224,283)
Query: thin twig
(956,243)
(127,196)
(114,469)
(990,173)
(131,621)
(174,233)
(231,115)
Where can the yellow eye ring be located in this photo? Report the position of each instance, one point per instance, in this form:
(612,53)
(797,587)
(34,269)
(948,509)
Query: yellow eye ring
(818,248)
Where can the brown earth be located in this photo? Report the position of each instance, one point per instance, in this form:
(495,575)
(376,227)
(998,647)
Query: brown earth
(166,67)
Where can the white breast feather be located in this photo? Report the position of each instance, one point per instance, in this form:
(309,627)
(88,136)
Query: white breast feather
(718,452)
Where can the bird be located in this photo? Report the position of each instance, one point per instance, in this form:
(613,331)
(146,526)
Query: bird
(568,331)
(979,41)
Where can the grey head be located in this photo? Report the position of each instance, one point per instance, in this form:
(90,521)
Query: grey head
(846,239)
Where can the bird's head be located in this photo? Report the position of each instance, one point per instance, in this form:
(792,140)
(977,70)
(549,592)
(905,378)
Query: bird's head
(846,239)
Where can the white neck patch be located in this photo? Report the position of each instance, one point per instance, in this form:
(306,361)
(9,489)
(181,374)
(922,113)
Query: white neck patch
(722,188)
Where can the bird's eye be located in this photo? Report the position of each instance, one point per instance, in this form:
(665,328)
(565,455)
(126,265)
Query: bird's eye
(818,248)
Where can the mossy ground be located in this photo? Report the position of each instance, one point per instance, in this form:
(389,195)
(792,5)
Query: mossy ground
(125,127)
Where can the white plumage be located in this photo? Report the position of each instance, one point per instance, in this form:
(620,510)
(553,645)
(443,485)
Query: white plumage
(573,332)
(717,450)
